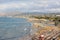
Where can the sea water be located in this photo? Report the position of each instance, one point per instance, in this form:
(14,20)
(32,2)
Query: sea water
(13,28)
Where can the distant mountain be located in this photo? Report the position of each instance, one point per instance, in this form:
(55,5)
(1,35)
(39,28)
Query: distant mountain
(36,13)
(9,13)
(12,13)
(17,13)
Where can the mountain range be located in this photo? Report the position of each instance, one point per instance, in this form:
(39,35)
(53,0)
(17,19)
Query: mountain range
(17,13)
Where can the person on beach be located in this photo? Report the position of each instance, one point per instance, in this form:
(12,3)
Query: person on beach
(41,37)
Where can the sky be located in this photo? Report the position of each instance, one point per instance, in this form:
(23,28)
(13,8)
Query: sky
(30,5)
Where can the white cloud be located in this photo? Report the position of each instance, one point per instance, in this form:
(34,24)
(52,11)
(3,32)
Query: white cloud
(2,6)
(36,10)
(39,4)
(34,5)
(12,5)
(58,3)
(53,10)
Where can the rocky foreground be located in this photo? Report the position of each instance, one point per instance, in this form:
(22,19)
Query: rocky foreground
(45,31)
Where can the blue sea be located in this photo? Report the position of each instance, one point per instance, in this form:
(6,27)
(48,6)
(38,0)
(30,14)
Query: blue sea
(13,28)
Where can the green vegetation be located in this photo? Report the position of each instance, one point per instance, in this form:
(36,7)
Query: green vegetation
(51,18)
